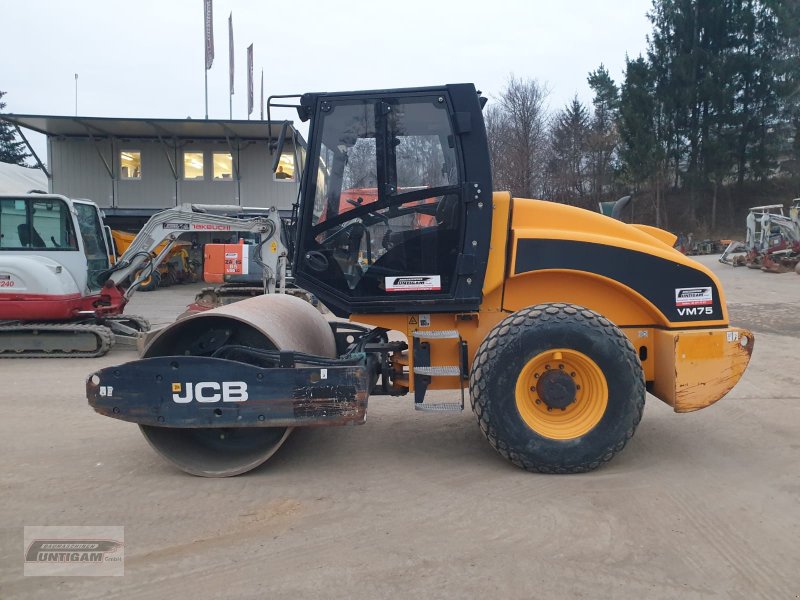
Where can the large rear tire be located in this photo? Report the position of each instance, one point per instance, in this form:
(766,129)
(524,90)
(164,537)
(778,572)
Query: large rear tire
(557,388)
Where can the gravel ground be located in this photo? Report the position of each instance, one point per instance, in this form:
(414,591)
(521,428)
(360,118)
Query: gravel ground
(702,505)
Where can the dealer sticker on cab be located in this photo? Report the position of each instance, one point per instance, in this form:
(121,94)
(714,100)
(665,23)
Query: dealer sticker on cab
(694,296)
(414,283)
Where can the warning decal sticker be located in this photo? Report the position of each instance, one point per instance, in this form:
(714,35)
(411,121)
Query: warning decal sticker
(695,296)
(414,283)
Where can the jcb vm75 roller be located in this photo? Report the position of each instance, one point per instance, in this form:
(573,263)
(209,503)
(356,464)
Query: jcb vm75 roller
(553,320)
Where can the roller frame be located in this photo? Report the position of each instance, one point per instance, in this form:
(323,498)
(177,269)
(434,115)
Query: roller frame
(155,391)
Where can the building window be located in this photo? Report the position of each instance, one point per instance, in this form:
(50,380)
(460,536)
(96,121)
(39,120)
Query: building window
(285,170)
(193,165)
(130,164)
(223,166)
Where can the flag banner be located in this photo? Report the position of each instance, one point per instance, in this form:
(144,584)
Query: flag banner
(262,94)
(209,17)
(230,51)
(249,80)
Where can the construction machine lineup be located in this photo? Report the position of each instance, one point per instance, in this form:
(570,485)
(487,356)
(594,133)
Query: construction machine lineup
(553,320)
(63,290)
(772,241)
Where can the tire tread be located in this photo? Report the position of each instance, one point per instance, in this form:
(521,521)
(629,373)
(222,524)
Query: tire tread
(505,331)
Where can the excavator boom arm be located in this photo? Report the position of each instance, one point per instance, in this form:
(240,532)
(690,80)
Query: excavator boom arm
(169,225)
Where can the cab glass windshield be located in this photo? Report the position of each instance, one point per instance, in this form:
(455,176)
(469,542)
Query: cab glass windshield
(386,199)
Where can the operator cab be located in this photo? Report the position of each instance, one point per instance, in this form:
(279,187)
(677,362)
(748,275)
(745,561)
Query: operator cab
(70,232)
(395,207)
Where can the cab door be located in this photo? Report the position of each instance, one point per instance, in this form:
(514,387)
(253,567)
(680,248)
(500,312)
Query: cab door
(93,237)
(395,211)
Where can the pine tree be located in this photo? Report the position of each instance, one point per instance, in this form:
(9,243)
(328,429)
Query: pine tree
(788,71)
(637,109)
(11,150)
(641,151)
(603,137)
(569,145)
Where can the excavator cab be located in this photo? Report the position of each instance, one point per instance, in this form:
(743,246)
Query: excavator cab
(396,200)
(68,232)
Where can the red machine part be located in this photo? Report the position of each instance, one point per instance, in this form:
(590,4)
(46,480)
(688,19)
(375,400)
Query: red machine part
(108,302)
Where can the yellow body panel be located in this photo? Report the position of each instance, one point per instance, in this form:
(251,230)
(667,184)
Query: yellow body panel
(537,219)
(660,234)
(642,340)
(611,299)
(496,265)
(697,367)
(687,367)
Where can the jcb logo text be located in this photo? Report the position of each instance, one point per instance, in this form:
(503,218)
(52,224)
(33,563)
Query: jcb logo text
(209,391)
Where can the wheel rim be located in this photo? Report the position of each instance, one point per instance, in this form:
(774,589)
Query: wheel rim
(561,394)
(146,281)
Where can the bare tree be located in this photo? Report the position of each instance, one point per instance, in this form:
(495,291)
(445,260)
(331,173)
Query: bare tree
(517,137)
(497,134)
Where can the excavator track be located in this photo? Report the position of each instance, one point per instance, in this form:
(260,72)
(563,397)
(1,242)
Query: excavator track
(54,340)
(136,321)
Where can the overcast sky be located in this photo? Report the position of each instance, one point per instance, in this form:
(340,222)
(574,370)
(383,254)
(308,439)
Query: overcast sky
(145,58)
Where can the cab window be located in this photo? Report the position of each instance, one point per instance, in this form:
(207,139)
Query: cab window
(93,241)
(36,224)
(387,198)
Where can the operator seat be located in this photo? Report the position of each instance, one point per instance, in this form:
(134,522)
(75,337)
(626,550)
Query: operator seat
(28,236)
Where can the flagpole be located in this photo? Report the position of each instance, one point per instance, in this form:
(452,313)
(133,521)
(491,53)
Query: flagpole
(230,66)
(249,81)
(208,42)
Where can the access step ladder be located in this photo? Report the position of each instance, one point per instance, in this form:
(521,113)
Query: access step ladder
(424,371)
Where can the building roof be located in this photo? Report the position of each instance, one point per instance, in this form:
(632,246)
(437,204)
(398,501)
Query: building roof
(63,126)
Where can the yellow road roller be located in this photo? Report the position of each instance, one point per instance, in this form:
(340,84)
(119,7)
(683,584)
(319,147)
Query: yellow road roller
(552,320)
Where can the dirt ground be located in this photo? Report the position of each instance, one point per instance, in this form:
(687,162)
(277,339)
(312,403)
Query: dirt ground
(418,505)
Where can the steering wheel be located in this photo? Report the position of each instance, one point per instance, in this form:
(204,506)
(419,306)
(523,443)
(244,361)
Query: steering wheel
(359,202)
(317,261)
(446,211)
(340,231)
